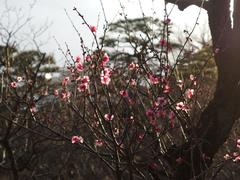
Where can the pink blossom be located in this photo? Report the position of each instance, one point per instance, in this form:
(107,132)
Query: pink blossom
(65,95)
(77,59)
(133,82)
(153,79)
(106,71)
(93,29)
(217,50)
(153,165)
(235,154)
(161,113)
(226,156)
(166,88)
(77,139)
(85,79)
(180,84)
(192,77)
(105,59)
(189,93)
(157,129)
(133,66)
(181,106)
(88,58)
(162,42)
(29,82)
(105,76)
(105,80)
(152,121)
(167,21)
(65,81)
(84,84)
(55,92)
(123,93)
(98,142)
(79,66)
(45,92)
(161,101)
(116,131)
(149,113)
(33,108)
(171,115)
(108,117)
(82,87)
(236,159)
(179,160)
(13,84)
(141,136)
(204,156)
(238,143)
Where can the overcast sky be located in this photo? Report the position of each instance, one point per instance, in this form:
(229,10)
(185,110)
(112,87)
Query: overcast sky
(53,12)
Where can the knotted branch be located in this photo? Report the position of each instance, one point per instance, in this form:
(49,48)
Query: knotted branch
(183,4)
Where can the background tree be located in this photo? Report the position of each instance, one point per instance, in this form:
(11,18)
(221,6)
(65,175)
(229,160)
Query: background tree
(129,39)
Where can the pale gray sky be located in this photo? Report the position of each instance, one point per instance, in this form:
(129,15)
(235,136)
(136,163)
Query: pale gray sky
(53,12)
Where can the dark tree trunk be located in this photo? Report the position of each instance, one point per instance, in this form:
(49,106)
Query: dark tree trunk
(218,118)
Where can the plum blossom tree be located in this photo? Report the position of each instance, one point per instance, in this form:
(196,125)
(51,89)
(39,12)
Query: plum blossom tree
(132,120)
(218,118)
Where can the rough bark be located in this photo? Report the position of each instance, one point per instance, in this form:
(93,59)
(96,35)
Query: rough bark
(218,118)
